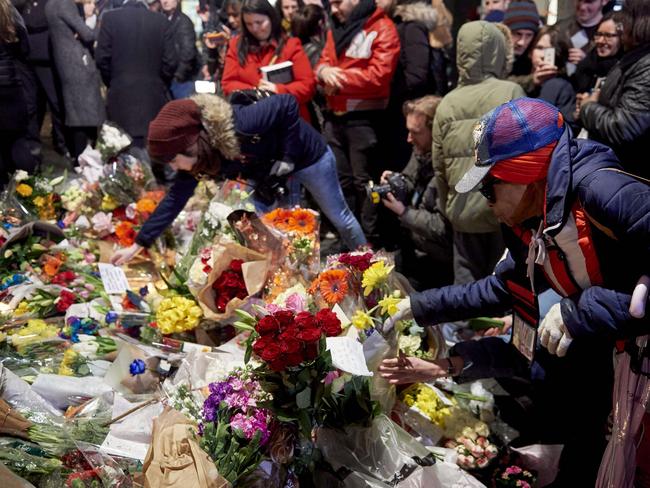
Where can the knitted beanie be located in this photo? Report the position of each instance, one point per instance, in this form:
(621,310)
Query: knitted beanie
(522,15)
(175,128)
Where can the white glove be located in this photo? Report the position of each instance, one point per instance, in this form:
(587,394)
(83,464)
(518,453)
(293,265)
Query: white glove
(553,334)
(403,313)
(282,168)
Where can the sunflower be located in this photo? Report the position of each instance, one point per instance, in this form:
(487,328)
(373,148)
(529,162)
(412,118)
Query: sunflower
(304,221)
(333,285)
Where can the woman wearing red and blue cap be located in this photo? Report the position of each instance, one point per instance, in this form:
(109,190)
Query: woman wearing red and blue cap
(574,223)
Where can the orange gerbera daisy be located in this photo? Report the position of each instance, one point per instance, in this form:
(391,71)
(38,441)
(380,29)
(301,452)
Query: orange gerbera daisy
(280,218)
(304,221)
(125,233)
(333,285)
(146,205)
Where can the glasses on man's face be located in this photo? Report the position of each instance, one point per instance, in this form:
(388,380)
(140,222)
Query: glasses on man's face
(487,189)
(605,35)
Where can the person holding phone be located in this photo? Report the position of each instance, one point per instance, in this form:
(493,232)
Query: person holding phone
(262,43)
(549,56)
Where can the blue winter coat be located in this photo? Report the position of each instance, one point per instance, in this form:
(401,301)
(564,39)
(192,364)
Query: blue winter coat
(619,206)
(268,130)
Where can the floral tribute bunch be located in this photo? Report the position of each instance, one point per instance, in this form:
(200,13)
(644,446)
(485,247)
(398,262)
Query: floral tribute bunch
(177,314)
(305,389)
(234,428)
(229,285)
(515,477)
(287,339)
(299,232)
(37,195)
(475,451)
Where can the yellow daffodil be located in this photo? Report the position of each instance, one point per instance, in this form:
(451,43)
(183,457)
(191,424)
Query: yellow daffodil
(427,401)
(362,320)
(108,203)
(177,314)
(375,276)
(69,357)
(21,309)
(24,190)
(388,305)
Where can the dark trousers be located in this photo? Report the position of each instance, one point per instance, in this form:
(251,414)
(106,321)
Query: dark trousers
(43,92)
(353,139)
(476,255)
(79,138)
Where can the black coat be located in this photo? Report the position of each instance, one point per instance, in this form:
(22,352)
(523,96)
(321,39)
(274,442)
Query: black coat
(590,69)
(13,114)
(136,57)
(185,45)
(621,118)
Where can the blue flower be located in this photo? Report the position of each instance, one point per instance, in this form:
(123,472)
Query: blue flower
(144,291)
(137,367)
(60,224)
(111,317)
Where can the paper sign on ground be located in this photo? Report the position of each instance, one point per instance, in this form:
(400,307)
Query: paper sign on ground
(347,355)
(113,278)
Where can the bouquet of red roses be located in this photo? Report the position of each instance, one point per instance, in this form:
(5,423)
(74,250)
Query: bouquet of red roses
(237,273)
(229,285)
(287,339)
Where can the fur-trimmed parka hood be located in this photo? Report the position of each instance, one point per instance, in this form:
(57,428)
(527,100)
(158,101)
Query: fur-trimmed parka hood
(418,12)
(217,118)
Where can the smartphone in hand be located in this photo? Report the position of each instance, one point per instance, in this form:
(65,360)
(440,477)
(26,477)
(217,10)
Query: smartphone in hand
(549,56)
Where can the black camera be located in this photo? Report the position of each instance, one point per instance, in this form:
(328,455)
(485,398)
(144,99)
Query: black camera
(270,189)
(396,184)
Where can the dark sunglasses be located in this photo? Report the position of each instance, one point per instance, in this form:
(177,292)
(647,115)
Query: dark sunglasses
(487,189)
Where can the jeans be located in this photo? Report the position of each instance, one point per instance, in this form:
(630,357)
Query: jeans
(321,180)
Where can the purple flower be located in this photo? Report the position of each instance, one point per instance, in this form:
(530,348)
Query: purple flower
(111,317)
(137,367)
(249,425)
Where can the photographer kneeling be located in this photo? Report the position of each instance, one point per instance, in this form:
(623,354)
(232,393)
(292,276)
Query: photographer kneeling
(426,253)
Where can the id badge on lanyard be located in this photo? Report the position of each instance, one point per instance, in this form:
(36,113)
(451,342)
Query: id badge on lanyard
(525,319)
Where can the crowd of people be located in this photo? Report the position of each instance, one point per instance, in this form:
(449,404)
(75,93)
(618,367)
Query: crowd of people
(390,119)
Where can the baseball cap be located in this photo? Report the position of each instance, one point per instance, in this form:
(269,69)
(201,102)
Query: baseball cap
(517,127)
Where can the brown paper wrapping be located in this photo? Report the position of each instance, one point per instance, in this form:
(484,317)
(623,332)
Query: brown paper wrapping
(255,270)
(175,459)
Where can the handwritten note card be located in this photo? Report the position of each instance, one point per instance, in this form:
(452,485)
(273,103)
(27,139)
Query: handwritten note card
(113,278)
(347,355)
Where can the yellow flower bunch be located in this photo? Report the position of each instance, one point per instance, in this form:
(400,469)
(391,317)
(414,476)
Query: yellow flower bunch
(24,190)
(21,309)
(362,320)
(35,331)
(375,276)
(427,401)
(388,305)
(177,314)
(109,203)
(69,357)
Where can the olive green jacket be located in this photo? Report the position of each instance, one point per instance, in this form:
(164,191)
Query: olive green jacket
(484,56)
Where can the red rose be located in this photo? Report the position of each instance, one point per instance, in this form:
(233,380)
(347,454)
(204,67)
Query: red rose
(289,334)
(221,302)
(359,262)
(294,359)
(278,365)
(267,325)
(271,352)
(305,320)
(290,346)
(309,335)
(328,322)
(311,351)
(260,344)
(235,265)
(285,318)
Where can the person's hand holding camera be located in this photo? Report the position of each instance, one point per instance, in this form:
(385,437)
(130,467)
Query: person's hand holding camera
(393,204)
(384,177)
